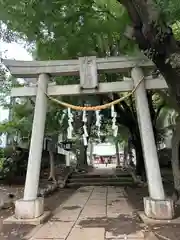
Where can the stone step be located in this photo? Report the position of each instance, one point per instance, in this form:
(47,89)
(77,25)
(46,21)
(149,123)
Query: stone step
(102,179)
(80,184)
(74,175)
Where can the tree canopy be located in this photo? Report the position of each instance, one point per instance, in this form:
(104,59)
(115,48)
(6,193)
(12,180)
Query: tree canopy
(68,29)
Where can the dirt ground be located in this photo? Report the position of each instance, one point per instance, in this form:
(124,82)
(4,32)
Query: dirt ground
(17,232)
(162,232)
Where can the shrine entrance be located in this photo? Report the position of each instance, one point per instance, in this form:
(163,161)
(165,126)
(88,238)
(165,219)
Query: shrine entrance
(88,68)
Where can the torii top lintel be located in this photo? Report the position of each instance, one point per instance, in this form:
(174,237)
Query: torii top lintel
(32,69)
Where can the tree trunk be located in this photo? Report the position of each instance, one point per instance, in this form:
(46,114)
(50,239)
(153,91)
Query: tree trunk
(129,146)
(155,38)
(82,163)
(125,157)
(117,153)
(82,156)
(52,167)
(140,167)
(175,156)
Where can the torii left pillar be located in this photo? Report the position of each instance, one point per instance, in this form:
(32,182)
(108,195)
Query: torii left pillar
(32,207)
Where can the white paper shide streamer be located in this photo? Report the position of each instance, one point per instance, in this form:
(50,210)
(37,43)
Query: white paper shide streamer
(114,126)
(98,123)
(70,126)
(85,133)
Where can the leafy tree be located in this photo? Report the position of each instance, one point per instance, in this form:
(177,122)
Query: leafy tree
(5,85)
(152,29)
(66,29)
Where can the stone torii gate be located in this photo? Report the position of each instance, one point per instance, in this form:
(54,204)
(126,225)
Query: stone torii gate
(156,206)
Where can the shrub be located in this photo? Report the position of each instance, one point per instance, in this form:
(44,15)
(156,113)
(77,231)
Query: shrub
(1,157)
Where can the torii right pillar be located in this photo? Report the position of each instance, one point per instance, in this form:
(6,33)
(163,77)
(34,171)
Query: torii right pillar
(156,206)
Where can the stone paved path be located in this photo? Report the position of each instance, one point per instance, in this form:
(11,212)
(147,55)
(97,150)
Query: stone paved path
(103,170)
(93,213)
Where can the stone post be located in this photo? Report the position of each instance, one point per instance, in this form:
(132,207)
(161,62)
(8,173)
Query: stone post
(68,157)
(156,206)
(31,206)
(91,146)
(118,164)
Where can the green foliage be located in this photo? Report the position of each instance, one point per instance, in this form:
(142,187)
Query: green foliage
(14,164)
(170,9)
(5,85)
(1,157)
(65,30)
(176,30)
(21,121)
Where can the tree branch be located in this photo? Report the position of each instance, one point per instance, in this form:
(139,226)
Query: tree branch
(133,14)
(155,38)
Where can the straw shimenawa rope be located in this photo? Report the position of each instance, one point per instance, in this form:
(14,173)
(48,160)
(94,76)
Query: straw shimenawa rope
(94,108)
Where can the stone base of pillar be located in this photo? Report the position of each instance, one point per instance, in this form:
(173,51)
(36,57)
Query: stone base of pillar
(28,212)
(159,209)
(29,209)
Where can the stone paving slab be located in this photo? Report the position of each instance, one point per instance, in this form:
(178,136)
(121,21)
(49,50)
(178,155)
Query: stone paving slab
(93,213)
(87,234)
(137,235)
(96,202)
(53,229)
(76,202)
(117,207)
(66,215)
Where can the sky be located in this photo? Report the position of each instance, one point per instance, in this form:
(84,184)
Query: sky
(12,51)
(17,52)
